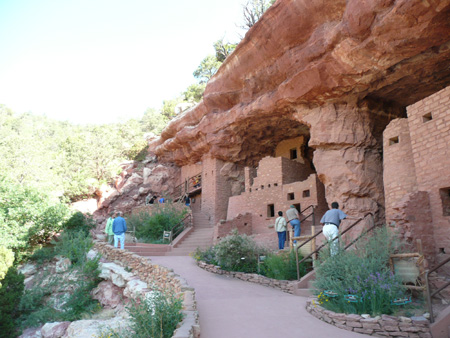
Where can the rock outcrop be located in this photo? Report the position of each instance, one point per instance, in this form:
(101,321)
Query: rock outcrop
(302,54)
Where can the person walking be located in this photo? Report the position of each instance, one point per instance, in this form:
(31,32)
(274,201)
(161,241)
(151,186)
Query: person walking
(293,217)
(108,229)
(119,229)
(280,228)
(331,221)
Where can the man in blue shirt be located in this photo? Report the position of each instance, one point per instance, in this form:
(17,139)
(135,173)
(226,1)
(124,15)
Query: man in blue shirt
(119,229)
(331,221)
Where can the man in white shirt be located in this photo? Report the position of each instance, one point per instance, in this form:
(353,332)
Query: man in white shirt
(331,221)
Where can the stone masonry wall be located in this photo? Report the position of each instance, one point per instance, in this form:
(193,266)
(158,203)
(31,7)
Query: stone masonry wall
(380,326)
(164,279)
(256,202)
(215,190)
(283,285)
(399,174)
(243,223)
(429,124)
(284,148)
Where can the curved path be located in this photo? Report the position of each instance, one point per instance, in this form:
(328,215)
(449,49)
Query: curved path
(231,308)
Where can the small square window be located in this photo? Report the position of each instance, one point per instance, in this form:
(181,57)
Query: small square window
(271,210)
(445,198)
(427,117)
(275,184)
(290,196)
(306,193)
(293,153)
(393,140)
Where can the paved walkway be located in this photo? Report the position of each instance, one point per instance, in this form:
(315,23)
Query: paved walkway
(231,308)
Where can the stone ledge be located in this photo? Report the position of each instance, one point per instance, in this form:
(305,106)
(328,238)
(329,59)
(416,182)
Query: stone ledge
(163,278)
(380,326)
(283,285)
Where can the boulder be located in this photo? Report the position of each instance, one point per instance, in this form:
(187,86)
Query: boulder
(108,294)
(91,328)
(54,330)
(31,333)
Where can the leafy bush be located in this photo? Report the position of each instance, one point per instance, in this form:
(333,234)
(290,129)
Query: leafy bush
(364,274)
(74,245)
(207,256)
(154,316)
(80,221)
(10,294)
(282,266)
(150,226)
(28,217)
(36,304)
(238,253)
(44,254)
(6,261)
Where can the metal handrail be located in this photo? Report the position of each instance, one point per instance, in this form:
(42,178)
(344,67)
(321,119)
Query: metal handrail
(430,295)
(180,230)
(323,245)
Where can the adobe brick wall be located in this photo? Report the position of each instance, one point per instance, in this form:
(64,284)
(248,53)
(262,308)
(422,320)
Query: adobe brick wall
(283,148)
(399,174)
(256,203)
(216,190)
(243,223)
(190,170)
(415,169)
(431,153)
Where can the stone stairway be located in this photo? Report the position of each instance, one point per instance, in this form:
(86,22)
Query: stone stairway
(201,237)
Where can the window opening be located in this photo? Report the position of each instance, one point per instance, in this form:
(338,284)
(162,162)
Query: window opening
(427,117)
(393,140)
(290,196)
(445,198)
(293,153)
(262,187)
(275,184)
(271,210)
(306,193)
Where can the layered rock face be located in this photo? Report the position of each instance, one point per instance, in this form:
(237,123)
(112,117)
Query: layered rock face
(313,53)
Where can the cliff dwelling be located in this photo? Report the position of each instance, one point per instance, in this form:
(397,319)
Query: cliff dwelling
(348,103)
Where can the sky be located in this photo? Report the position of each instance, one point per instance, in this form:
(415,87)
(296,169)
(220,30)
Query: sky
(102,61)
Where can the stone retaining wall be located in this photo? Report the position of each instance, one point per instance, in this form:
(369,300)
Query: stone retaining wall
(283,285)
(380,326)
(162,278)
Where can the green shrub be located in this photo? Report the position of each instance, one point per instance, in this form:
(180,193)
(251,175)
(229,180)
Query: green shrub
(6,261)
(207,256)
(150,227)
(282,266)
(10,294)
(74,245)
(34,305)
(156,316)
(44,254)
(80,221)
(362,273)
(238,253)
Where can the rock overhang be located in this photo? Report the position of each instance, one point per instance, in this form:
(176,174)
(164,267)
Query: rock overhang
(306,54)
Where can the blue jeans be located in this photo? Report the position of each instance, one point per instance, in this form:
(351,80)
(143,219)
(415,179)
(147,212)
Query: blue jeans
(281,239)
(296,225)
(120,238)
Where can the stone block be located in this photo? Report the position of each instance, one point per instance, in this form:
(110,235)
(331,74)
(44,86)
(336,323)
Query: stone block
(354,324)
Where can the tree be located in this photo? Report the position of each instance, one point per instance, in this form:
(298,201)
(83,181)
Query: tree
(194,92)
(168,109)
(207,68)
(223,49)
(253,11)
